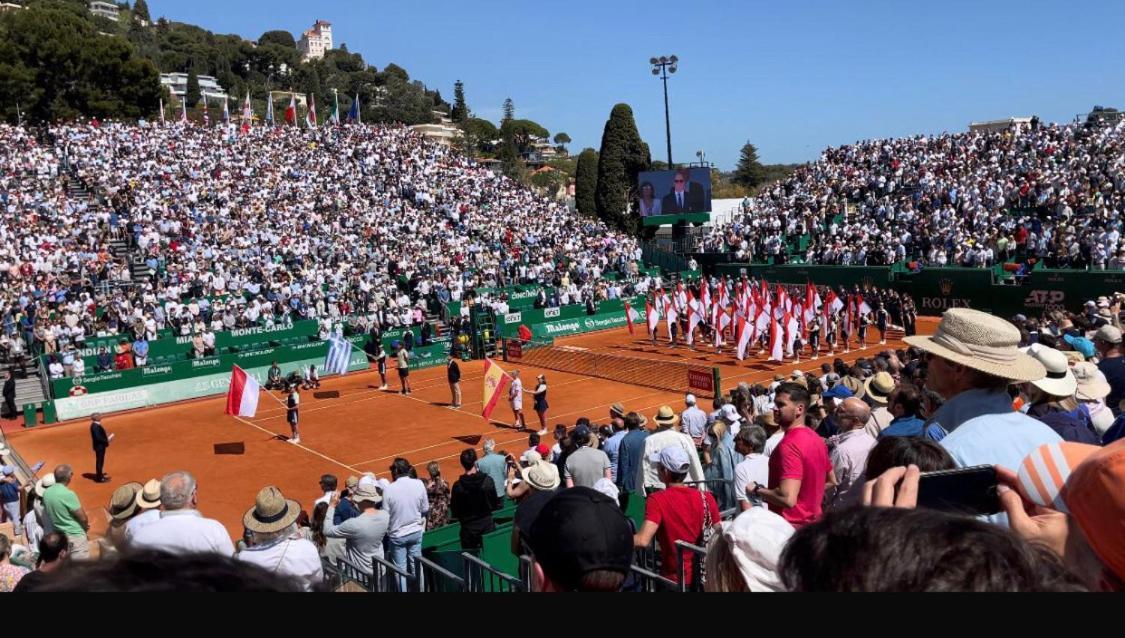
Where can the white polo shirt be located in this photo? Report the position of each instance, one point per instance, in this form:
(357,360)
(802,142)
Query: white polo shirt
(294,556)
(184,531)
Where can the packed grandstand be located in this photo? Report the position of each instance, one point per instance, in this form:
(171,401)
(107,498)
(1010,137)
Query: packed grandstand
(817,480)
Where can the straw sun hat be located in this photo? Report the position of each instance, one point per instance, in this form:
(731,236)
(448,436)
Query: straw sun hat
(272,512)
(982,342)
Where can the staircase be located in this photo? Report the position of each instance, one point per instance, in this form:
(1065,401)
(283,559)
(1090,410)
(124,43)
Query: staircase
(29,390)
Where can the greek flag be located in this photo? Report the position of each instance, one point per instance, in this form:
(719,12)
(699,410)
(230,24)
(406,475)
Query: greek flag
(339,353)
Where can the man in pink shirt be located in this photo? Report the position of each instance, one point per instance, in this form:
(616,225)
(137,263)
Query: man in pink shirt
(799,466)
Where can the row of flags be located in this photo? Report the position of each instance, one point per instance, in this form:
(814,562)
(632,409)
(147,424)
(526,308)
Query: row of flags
(753,312)
(354,115)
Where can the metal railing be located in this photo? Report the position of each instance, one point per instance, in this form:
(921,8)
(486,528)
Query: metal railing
(482,577)
(698,555)
(649,581)
(436,578)
(384,576)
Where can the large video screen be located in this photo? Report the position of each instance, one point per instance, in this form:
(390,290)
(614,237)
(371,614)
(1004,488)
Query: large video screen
(680,192)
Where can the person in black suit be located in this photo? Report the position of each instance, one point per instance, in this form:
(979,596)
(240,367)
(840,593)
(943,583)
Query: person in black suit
(101,442)
(686,196)
(453,374)
(9,395)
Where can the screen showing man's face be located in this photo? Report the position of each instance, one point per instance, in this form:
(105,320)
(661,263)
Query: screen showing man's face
(680,184)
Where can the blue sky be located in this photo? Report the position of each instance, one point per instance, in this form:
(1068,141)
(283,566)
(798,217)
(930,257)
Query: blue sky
(791,77)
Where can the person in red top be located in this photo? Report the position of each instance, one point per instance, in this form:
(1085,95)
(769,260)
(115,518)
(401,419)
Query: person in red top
(800,469)
(676,513)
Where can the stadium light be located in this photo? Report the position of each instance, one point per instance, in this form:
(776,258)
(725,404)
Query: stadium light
(662,66)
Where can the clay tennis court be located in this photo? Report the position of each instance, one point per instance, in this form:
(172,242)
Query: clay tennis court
(349,427)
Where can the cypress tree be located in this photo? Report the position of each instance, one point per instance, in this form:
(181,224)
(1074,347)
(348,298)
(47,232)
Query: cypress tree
(586,182)
(193,93)
(623,154)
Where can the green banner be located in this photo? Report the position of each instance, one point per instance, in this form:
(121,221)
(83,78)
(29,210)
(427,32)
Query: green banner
(156,373)
(611,314)
(152,394)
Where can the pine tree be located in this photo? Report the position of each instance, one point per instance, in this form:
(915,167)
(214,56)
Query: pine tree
(193,93)
(749,172)
(623,155)
(586,182)
(509,112)
(140,10)
(460,109)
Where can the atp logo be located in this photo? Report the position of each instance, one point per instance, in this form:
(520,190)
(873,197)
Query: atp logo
(1045,298)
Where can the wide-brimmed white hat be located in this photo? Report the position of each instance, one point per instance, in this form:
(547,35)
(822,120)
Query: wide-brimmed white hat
(1059,380)
(1092,385)
(982,342)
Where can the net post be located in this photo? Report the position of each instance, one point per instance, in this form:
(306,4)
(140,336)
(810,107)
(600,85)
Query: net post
(504,349)
(717,381)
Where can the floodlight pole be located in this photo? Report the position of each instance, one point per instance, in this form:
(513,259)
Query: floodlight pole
(667,119)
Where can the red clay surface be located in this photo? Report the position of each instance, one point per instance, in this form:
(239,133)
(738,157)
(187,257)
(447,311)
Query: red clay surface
(362,430)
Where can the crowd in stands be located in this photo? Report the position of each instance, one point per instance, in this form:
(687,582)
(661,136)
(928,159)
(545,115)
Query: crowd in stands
(813,482)
(1052,193)
(369,222)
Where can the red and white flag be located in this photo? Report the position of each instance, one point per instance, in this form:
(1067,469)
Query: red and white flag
(745,332)
(242,398)
(652,316)
(704,293)
(694,318)
(864,309)
(629,312)
(310,117)
(761,323)
(670,316)
(291,110)
(777,345)
(792,329)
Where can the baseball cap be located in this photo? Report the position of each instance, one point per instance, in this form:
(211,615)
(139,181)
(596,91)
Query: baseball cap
(8,470)
(1085,482)
(579,531)
(581,432)
(1108,334)
(673,458)
(543,450)
(1082,345)
(838,391)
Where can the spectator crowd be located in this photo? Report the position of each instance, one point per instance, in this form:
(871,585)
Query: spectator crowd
(1052,193)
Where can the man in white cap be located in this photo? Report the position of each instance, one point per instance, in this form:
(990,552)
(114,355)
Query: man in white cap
(973,358)
(693,421)
(677,512)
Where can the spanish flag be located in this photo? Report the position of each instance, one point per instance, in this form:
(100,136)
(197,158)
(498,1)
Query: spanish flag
(495,382)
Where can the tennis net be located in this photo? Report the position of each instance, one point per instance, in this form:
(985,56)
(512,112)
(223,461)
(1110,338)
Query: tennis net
(650,373)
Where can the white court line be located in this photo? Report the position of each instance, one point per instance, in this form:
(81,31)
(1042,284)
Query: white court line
(275,434)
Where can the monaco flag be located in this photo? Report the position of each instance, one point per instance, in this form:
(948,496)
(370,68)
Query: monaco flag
(745,328)
(242,398)
(652,316)
(630,314)
(777,345)
(495,382)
